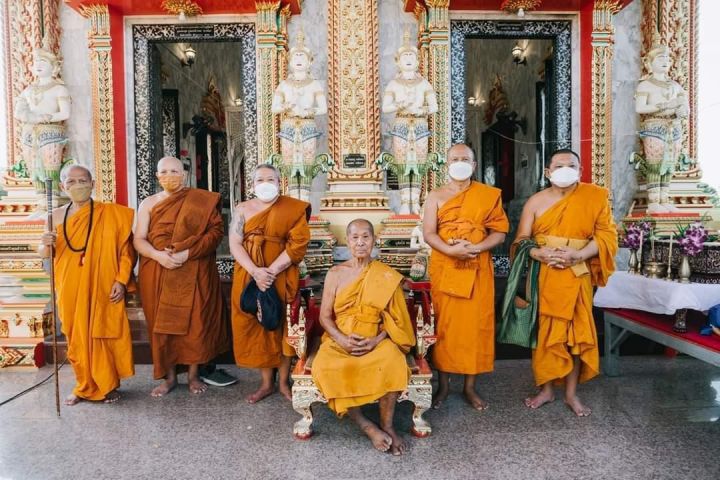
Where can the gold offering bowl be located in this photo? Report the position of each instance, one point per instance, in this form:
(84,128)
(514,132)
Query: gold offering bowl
(654,269)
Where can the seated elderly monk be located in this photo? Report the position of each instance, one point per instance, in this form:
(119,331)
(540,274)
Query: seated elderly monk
(367,334)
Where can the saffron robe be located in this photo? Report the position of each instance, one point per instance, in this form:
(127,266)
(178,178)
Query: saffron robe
(97,330)
(372,303)
(281,227)
(565,324)
(183,307)
(463,291)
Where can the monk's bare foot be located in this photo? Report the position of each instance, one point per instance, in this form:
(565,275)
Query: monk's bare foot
(380,440)
(164,388)
(196,386)
(112,397)
(474,400)
(577,406)
(285,391)
(259,394)
(440,396)
(398,445)
(540,399)
(72,399)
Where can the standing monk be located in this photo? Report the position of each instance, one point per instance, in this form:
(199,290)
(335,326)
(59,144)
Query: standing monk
(368,331)
(268,238)
(94,259)
(573,226)
(176,235)
(463,221)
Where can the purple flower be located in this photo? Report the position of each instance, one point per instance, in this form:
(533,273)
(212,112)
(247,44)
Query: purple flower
(691,240)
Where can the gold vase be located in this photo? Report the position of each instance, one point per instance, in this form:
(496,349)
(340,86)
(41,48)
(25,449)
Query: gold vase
(684,270)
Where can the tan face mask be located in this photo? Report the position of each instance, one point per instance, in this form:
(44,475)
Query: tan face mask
(171,183)
(79,193)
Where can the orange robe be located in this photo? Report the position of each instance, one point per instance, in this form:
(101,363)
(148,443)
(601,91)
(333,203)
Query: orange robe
(97,330)
(183,307)
(282,227)
(463,291)
(372,303)
(565,325)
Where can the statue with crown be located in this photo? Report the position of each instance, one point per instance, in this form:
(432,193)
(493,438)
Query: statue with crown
(412,99)
(42,109)
(298,100)
(662,103)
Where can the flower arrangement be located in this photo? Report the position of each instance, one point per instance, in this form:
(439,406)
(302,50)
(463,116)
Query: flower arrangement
(636,234)
(690,239)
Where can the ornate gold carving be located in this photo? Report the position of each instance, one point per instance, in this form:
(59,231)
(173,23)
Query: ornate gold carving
(601,111)
(514,6)
(353,84)
(102,100)
(269,42)
(438,74)
(182,7)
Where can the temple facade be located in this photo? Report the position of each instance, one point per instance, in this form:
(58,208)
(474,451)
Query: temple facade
(356,102)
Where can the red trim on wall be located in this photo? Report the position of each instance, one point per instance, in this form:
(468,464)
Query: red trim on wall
(117,35)
(586,22)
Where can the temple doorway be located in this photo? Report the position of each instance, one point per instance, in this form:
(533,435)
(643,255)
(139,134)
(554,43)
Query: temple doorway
(194,89)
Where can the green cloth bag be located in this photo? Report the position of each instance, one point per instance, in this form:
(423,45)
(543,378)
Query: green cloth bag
(518,323)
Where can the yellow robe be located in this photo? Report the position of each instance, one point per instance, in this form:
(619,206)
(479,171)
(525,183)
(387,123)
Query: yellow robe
(97,331)
(372,303)
(282,227)
(565,325)
(463,292)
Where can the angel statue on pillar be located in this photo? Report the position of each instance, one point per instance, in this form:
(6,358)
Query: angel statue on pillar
(662,104)
(42,109)
(298,100)
(412,99)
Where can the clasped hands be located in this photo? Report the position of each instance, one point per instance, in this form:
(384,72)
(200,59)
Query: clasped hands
(264,277)
(558,257)
(358,345)
(171,259)
(463,249)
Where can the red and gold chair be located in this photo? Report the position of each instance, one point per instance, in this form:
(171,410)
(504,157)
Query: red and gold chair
(304,332)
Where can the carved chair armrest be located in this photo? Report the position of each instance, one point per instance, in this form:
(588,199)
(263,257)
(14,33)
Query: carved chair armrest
(421,309)
(296,326)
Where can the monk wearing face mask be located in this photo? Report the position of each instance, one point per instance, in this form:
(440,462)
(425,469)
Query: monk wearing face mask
(463,221)
(573,226)
(94,259)
(268,239)
(177,233)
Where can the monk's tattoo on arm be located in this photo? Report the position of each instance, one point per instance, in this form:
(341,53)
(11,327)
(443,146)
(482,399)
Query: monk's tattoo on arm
(239,225)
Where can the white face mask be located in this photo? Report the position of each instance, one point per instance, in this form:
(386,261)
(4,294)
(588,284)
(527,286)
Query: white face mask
(266,192)
(460,170)
(564,177)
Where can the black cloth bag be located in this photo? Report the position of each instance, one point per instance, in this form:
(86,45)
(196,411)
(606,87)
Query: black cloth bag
(266,306)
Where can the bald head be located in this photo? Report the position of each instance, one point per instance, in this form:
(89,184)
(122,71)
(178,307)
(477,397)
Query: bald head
(75,171)
(360,224)
(170,165)
(263,170)
(460,150)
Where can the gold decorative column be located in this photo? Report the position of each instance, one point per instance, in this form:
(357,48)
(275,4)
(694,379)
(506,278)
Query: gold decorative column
(353,115)
(102,100)
(601,112)
(423,37)
(268,28)
(438,72)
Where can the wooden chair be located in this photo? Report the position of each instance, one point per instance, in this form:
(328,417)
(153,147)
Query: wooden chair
(304,332)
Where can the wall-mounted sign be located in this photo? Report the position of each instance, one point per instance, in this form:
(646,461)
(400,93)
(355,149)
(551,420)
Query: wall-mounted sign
(354,160)
(194,31)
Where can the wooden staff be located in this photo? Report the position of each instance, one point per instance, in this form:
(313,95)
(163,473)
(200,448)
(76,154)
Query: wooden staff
(49,203)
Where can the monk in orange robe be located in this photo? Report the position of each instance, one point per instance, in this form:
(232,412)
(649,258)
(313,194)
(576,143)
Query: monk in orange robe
(177,233)
(463,221)
(94,259)
(268,239)
(573,226)
(367,334)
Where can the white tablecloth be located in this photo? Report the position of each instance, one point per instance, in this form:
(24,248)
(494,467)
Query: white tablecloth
(626,290)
